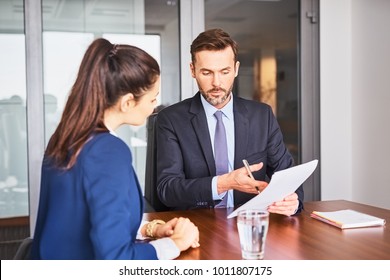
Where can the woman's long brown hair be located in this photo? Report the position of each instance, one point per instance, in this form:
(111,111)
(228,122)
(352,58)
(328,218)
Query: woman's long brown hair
(106,73)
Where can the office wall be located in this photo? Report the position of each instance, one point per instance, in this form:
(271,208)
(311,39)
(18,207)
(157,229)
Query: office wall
(355,99)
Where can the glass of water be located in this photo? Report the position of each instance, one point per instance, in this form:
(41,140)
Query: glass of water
(252,229)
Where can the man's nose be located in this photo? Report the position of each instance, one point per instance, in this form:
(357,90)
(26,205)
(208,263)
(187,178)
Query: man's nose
(216,80)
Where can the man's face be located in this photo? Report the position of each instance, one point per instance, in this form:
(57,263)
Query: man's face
(214,72)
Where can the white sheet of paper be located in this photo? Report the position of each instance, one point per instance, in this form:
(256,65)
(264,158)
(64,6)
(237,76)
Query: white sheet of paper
(283,183)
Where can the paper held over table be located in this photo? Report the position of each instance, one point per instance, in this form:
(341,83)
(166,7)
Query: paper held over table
(283,183)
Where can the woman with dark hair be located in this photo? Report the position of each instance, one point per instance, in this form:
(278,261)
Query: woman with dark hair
(90,200)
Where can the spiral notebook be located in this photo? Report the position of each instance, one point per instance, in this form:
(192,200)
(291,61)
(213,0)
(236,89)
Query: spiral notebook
(348,219)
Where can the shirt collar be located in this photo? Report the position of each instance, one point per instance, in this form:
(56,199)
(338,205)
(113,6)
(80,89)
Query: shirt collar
(227,110)
(113,133)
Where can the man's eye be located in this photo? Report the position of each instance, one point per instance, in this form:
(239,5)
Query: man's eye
(206,73)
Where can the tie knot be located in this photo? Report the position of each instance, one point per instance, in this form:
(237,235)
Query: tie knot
(218,115)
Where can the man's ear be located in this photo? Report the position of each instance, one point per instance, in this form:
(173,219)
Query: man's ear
(127,102)
(192,68)
(236,68)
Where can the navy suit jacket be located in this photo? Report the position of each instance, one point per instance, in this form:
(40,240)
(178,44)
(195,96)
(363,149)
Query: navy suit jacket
(185,160)
(93,210)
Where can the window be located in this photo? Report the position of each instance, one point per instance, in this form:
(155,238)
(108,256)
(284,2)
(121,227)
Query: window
(13,135)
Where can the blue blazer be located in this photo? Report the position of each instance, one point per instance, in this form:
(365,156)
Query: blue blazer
(185,160)
(93,210)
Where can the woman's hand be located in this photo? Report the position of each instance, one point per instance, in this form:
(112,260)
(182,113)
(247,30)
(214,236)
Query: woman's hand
(165,230)
(185,234)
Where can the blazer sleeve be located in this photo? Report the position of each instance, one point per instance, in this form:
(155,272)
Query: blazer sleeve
(184,180)
(114,201)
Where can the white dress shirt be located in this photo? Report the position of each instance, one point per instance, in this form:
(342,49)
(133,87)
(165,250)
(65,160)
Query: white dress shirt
(228,121)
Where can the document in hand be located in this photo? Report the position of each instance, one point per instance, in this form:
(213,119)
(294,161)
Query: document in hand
(347,219)
(282,183)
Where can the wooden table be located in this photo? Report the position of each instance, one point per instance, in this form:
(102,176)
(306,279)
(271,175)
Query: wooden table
(300,237)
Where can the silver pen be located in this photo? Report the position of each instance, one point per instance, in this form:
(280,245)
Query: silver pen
(246,164)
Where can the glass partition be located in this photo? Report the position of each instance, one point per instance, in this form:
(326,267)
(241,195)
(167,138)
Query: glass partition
(13,135)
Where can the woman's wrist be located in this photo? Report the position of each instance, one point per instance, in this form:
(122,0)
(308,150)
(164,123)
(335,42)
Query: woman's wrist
(151,228)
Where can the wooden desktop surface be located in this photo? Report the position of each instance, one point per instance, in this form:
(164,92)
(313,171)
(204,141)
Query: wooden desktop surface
(299,237)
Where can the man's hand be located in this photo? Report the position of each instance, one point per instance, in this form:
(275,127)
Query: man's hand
(288,206)
(239,180)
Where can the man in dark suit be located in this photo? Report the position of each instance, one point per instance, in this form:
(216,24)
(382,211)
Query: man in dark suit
(186,168)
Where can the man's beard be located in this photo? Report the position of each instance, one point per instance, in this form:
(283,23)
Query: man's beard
(216,101)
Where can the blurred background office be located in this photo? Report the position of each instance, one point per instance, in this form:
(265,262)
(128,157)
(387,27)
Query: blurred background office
(320,64)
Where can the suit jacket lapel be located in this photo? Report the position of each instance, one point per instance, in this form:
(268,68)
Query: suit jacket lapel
(241,132)
(199,123)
